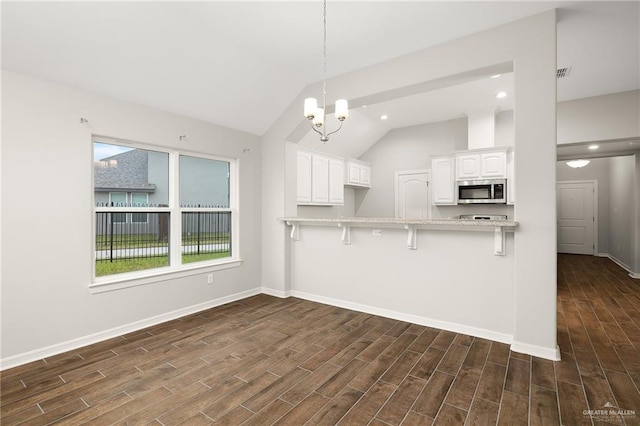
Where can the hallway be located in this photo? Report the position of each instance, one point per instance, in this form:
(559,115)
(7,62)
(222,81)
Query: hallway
(599,337)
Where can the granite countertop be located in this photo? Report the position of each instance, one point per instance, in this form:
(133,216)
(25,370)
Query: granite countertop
(395,221)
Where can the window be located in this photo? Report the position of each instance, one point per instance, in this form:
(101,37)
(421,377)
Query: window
(156,209)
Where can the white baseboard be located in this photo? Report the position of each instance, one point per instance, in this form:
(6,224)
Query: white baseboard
(632,273)
(276,293)
(38,354)
(538,351)
(414,319)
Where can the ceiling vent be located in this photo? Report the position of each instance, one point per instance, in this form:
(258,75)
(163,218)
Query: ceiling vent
(563,72)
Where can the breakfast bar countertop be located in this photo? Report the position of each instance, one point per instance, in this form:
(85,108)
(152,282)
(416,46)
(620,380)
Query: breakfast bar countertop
(446,222)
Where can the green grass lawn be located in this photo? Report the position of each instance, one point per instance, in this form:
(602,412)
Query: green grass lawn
(120,266)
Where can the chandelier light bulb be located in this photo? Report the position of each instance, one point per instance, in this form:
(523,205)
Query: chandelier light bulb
(342,109)
(318,119)
(310,107)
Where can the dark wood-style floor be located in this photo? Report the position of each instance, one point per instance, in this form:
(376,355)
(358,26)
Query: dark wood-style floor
(265,360)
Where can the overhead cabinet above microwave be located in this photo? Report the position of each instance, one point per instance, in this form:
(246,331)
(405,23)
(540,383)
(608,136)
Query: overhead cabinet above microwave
(481,165)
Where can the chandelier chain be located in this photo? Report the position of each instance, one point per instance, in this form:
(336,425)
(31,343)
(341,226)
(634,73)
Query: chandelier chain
(324,53)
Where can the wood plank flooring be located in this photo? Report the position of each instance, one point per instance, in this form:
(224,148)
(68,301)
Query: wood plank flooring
(265,360)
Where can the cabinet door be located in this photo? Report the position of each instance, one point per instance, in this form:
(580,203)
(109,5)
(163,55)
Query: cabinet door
(511,198)
(365,175)
(442,171)
(319,179)
(494,164)
(468,166)
(336,181)
(353,176)
(304,177)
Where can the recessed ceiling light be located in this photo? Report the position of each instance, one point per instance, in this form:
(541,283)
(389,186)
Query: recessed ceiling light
(496,76)
(594,147)
(384,117)
(501,95)
(576,164)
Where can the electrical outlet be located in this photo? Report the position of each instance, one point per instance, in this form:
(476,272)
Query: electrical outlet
(377,232)
(209,278)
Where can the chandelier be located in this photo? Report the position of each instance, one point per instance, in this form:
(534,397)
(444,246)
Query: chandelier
(317,116)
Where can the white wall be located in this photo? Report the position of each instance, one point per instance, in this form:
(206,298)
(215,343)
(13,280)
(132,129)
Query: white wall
(530,45)
(383,276)
(597,169)
(47,214)
(622,215)
(599,118)
(408,148)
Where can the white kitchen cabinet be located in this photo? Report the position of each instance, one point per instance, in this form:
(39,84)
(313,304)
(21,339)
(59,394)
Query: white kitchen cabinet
(467,166)
(511,194)
(358,174)
(336,181)
(304,177)
(482,164)
(493,164)
(443,181)
(320,179)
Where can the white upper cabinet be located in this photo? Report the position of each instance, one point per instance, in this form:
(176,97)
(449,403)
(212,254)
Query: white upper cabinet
(336,181)
(467,166)
(493,164)
(511,181)
(320,179)
(304,177)
(443,181)
(482,164)
(358,174)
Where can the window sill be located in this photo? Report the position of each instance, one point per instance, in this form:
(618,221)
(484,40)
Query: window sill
(134,279)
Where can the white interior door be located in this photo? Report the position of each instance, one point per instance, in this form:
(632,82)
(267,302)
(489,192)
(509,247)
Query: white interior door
(412,195)
(576,218)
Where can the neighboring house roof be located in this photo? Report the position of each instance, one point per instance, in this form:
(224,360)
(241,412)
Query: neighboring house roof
(126,171)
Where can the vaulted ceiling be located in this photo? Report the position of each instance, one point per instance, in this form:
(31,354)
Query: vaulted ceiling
(240,64)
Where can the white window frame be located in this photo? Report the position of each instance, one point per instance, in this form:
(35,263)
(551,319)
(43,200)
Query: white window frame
(132,204)
(125,202)
(175,269)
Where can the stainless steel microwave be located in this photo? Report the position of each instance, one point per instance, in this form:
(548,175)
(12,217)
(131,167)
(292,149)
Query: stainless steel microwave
(488,191)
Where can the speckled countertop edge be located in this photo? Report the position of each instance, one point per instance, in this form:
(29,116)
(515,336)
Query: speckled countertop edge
(394,221)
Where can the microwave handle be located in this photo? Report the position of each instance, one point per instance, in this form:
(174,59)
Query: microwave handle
(493,195)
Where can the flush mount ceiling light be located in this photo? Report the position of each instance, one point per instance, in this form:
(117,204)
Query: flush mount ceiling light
(576,164)
(384,117)
(594,147)
(316,115)
(501,95)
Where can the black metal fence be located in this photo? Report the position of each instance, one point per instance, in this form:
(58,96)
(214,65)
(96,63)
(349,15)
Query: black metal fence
(136,235)
(206,232)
